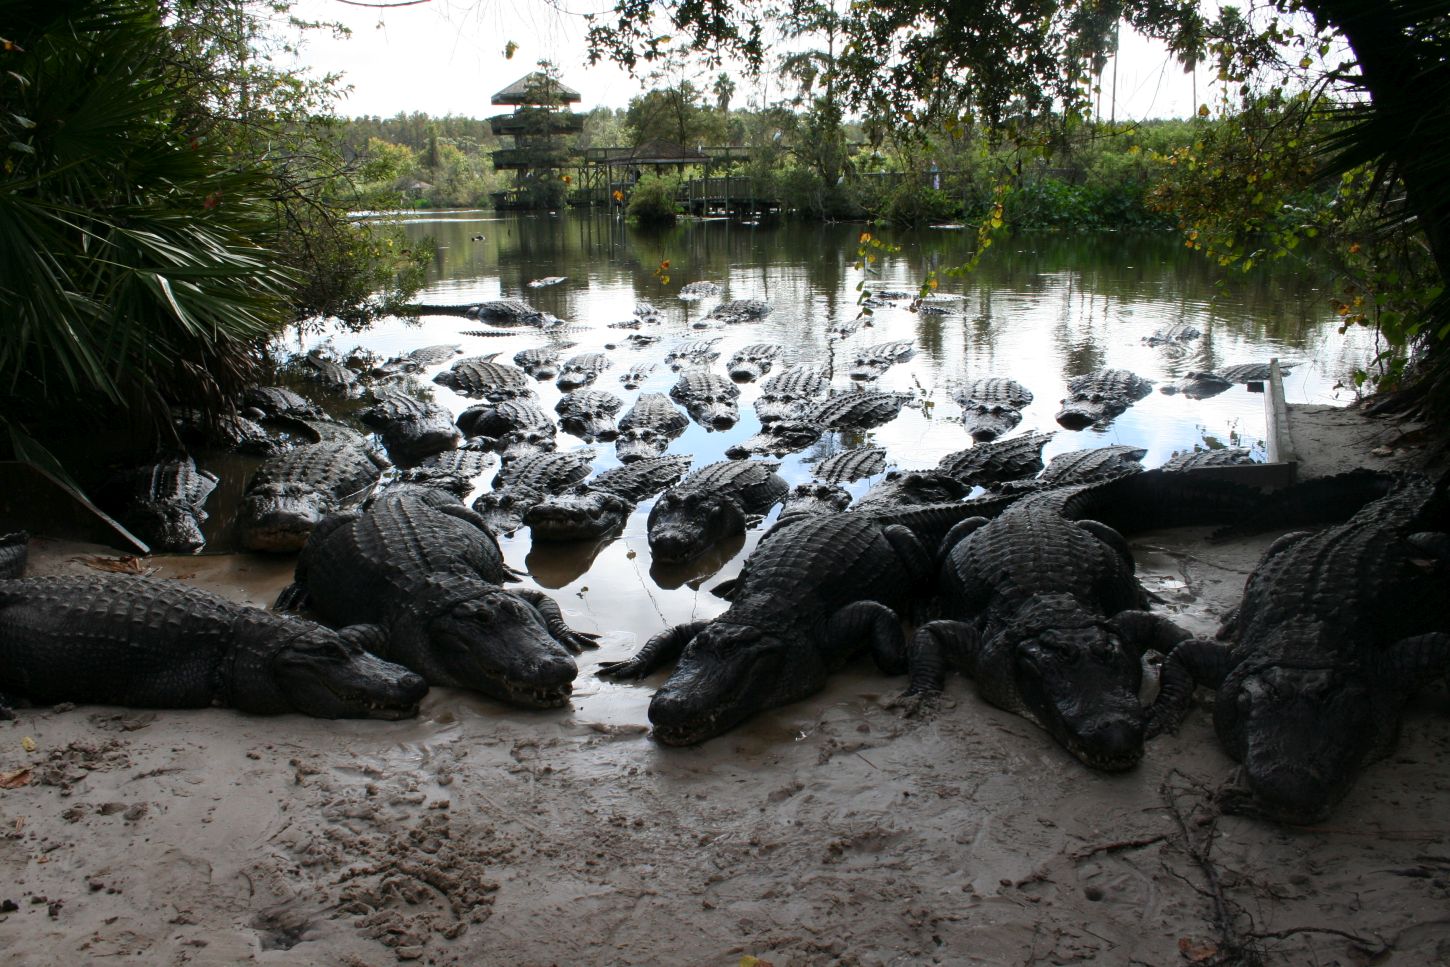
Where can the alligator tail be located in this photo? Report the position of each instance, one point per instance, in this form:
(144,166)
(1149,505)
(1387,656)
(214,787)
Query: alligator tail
(14,549)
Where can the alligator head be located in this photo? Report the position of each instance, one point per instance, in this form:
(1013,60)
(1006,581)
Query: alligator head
(328,674)
(683,525)
(1081,412)
(571,379)
(814,497)
(413,441)
(987,421)
(503,510)
(524,443)
(727,673)
(780,436)
(167,526)
(774,406)
(473,635)
(590,428)
(748,370)
(1303,733)
(1201,386)
(713,412)
(578,516)
(637,443)
(1075,677)
(279,516)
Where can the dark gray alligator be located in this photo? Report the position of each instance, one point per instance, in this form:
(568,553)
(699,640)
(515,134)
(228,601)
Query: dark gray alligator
(415,360)
(699,290)
(778,437)
(522,483)
(649,426)
(1248,372)
(161,503)
(453,470)
(786,395)
(225,431)
(1219,457)
(541,363)
(902,488)
(429,571)
(693,352)
(1177,333)
(815,497)
(1046,614)
(991,406)
(855,411)
(329,372)
(1337,631)
(581,370)
(589,414)
(602,504)
(510,312)
(632,377)
(1198,385)
(740,310)
(272,402)
(512,426)
(849,465)
(749,363)
(1081,466)
(815,590)
(14,548)
(872,362)
(997,462)
(709,398)
(486,379)
(411,429)
(291,492)
(711,504)
(152,643)
(1098,397)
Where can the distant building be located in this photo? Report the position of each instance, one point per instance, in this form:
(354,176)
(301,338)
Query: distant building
(541,125)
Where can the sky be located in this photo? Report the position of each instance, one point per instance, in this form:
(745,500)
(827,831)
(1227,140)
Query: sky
(447,57)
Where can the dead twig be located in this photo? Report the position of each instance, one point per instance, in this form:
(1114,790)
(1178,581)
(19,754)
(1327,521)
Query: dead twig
(1118,846)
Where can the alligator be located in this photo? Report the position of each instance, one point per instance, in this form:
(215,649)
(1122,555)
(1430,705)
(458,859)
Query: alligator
(154,643)
(1082,466)
(693,352)
(542,364)
(502,510)
(273,402)
(1098,397)
(546,281)
(411,429)
(415,360)
(649,426)
(548,473)
(1218,457)
(1336,632)
(497,422)
(847,327)
(999,461)
(452,470)
(291,492)
(1178,333)
(1046,614)
(162,503)
(855,411)
(430,571)
(581,370)
(849,465)
(637,340)
(1198,385)
(485,379)
(740,310)
(328,372)
(14,549)
(304,430)
(632,377)
(816,589)
(901,488)
(872,362)
(778,437)
(709,398)
(602,504)
(815,497)
(589,414)
(786,395)
(1248,372)
(648,312)
(699,290)
(711,504)
(749,363)
(991,406)
(510,312)
(225,431)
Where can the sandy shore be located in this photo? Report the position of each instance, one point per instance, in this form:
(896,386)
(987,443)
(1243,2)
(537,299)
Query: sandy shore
(834,831)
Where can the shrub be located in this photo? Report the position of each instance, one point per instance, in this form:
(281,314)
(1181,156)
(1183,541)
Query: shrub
(652,202)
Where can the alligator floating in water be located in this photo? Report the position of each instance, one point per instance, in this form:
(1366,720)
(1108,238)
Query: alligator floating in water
(1178,333)
(711,504)
(225,431)
(699,290)
(778,438)
(740,310)
(153,643)
(693,352)
(749,363)
(903,488)
(415,360)
(1198,385)
(485,379)
(522,483)
(855,410)
(999,461)
(815,590)
(1082,466)
(632,377)
(589,414)
(498,312)
(1219,457)
(872,362)
(815,497)
(429,571)
(649,426)
(1337,631)
(581,370)
(849,465)
(602,504)
(709,398)
(161,503)
(991,406)
(274,402)
(452,470)
(291,492)
(1100,396)
(329,372)
(512,427)
(540,363)
(411,429)
(786,395)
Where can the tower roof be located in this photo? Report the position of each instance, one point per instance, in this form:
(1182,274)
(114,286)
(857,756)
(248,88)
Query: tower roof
(537,88)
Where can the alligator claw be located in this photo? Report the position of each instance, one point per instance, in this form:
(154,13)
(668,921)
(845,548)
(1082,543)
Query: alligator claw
(916,702)
(577,641)
(627,669)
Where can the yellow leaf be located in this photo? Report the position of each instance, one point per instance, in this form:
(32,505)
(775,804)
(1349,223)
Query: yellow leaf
(1203,110)
(28,744)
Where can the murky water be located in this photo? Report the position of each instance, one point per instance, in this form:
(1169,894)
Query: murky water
(1039,310)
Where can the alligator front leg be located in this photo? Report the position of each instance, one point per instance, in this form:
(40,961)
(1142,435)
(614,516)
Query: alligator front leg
(1144,630)
(935,646)
(1411,662)
(664,648)
(876,623)
(1197,661)
(575,641)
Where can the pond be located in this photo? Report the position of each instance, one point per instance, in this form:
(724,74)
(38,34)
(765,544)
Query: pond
(1038,310)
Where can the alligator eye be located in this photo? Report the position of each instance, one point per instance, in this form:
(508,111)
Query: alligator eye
(1096,398)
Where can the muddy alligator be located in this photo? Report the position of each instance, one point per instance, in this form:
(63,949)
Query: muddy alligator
(1337,631)
(410,428)
(452,470)
(740,310)
(991,406)
(589,414)
(540,363)
(291,492)
(786,395)
(429,571)
(849,465)
(1100,396)
(602,504)
(693,352)
(872,362)
(711,504)
(649,426)
(632,377)
(153,643)
(709,398)
(815,591)
(581,370)
(162,503)
(997,462)
(749,363)
(486,379)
